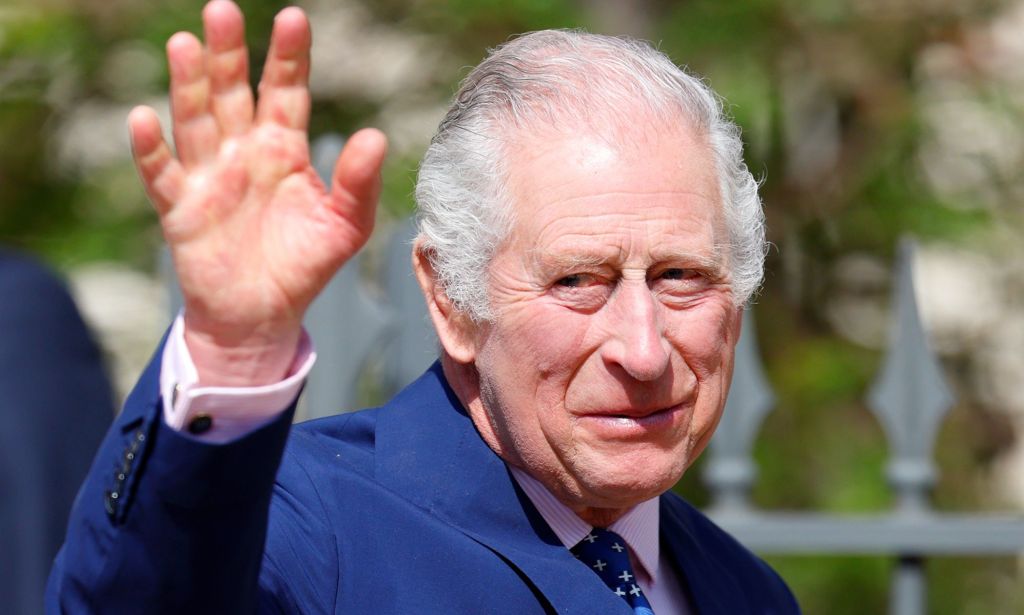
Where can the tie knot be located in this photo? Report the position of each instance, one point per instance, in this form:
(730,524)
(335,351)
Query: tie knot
(600,540)
(605,553)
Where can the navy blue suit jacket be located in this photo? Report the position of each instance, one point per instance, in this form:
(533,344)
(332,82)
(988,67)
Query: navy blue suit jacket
(51,377)
(401,509)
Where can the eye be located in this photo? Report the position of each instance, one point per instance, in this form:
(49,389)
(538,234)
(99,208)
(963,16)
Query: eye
(583,292)
(678,274)
(575,280)
(675,284)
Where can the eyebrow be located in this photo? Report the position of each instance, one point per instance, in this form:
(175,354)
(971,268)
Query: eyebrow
(568,260)
(713,264)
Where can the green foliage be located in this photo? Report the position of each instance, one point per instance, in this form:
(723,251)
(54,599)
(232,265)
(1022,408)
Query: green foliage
(397,196)
(471,26)
(705,31)
(837,585)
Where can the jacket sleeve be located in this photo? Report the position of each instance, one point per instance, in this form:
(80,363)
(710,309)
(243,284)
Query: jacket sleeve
(300,571)
(165,523)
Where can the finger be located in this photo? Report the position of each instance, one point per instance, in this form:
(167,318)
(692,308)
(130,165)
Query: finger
(162,175)
(195,130)
(227,63)
(284,95)
(356,184)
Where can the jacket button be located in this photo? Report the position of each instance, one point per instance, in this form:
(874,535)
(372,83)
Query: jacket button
(200,424)
(110,503)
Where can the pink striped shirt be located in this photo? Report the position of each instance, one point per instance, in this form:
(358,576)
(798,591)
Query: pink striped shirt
(638,527)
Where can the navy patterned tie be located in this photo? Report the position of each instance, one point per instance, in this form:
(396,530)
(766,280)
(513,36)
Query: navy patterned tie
(604,552)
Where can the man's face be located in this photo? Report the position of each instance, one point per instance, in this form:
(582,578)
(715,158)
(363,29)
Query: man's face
(605,369)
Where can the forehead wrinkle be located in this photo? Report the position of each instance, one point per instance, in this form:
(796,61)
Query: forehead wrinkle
(642,217)
(586,248)
(650,193)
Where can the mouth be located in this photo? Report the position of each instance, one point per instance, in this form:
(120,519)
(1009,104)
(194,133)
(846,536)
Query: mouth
(630,421)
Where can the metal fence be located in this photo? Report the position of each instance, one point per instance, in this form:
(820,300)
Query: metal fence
(377,326)
(910,400)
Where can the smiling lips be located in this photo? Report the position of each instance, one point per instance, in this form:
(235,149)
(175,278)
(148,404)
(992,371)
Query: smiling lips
(636,413)
(636,418)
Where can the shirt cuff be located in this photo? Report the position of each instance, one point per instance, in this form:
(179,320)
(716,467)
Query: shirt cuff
(219,415)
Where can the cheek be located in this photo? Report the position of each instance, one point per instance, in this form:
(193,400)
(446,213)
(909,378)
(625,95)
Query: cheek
(704,338)
(530,356)
(548,340)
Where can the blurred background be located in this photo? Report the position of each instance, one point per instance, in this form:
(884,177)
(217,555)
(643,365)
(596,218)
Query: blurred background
(867,119)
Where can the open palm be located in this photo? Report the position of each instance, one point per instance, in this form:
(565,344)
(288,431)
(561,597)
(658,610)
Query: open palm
(253,232)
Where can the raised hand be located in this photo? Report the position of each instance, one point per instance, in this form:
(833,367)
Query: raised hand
(253,232)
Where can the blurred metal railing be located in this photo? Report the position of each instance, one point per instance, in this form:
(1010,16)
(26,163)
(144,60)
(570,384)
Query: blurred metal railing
(910,400)
(383,328)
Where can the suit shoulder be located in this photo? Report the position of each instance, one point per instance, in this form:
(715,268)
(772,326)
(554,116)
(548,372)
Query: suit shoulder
(347,438)
(16,268)
(354,439)
(40,293)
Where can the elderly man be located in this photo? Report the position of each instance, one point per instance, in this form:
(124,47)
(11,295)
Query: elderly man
(588,237)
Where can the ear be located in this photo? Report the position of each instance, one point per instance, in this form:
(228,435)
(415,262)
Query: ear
(455,329)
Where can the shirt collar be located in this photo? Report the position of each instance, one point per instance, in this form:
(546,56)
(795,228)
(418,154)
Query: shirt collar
(638,527)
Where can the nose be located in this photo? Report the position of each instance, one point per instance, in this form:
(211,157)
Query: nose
(636,342)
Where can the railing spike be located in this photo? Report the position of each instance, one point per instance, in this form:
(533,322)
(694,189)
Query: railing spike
(415,344)
(730,471)
(909,396)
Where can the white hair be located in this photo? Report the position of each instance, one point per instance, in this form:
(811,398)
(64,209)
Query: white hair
(558,77)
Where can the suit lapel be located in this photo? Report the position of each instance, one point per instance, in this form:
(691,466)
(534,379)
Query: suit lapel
(428,450)
(709,588)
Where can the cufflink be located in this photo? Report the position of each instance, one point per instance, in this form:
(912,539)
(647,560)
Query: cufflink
(200,424)
(175,392)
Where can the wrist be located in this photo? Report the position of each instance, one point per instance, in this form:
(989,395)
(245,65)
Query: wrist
(255,359)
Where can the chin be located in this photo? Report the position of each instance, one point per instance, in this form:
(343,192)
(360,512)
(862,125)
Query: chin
(628,485)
